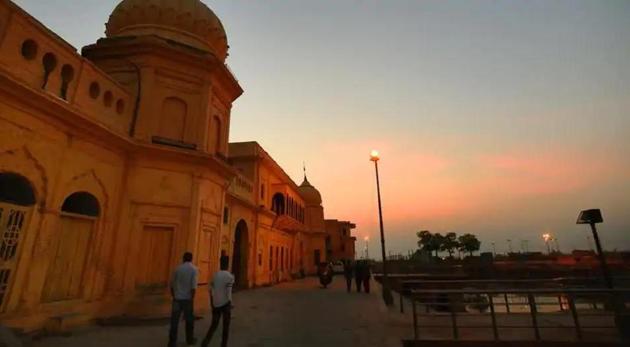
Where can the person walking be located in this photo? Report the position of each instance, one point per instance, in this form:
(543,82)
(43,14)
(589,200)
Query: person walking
(348,272)
(183,286)
(367,276)
(358,275)
(221,302)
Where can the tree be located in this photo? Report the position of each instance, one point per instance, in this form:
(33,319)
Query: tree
(429,242)
(424,237)
(437,242)
(469,243)
(450,244)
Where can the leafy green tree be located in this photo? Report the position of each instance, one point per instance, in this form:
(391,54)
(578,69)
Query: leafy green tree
(450,244)
(469,243)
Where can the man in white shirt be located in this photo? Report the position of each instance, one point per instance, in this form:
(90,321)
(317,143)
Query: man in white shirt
(183,286)
(221,298)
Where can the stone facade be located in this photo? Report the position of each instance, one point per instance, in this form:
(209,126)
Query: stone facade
(283,240)
(116,161)
(340,244)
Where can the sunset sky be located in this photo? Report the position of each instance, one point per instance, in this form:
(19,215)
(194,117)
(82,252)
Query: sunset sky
(499,118)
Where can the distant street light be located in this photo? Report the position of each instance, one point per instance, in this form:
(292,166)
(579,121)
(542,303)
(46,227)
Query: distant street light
(509,246)
(592,217)
(547,238)
(494,249)
(387,294)
(367,248)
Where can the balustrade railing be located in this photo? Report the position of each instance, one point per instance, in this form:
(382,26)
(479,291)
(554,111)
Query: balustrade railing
(520,314)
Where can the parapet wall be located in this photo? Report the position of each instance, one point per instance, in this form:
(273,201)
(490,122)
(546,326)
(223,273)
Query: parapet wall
(35,56)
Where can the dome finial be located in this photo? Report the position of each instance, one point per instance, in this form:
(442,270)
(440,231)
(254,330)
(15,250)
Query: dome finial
(305,183)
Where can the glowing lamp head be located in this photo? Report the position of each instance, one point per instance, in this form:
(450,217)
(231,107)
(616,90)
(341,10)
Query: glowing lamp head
(546,237)
(374,155)
(367,238)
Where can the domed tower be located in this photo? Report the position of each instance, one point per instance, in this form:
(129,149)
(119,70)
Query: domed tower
(185,21)
(314,211)
(172,54)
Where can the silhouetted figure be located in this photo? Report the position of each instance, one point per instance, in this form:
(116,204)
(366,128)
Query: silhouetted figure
(367,275)
(183,286)
(348,272)
(325,273)
(221,299)
(358,275)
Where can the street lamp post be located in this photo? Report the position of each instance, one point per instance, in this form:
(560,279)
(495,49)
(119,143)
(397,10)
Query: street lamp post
(367,248)
(547,238)
(622,319)
(592,217)
(387,295)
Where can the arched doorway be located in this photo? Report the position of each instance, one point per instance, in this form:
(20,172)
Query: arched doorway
(240,257)
(17,199)
(64,280)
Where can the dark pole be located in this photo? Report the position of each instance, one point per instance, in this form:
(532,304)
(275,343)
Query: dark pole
(548,248)
(602,258)
(387,295)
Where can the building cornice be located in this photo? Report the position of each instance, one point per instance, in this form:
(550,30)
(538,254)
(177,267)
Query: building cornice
(51,109)
(126,47)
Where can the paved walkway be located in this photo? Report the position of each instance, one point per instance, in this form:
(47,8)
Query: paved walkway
(296,314)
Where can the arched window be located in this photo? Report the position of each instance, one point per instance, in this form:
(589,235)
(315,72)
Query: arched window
(50,63)
(289,206)
(218,134)
(173,120)
(74,240)
(16,190)
(278,204)
(270,258)
(282,259)
(81,203)
(16,193)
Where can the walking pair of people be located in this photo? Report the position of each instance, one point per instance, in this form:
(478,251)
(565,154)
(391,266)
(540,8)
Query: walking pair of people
(183,288)
(361,273)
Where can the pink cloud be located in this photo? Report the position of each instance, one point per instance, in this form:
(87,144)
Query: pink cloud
(424,188)
(542,174)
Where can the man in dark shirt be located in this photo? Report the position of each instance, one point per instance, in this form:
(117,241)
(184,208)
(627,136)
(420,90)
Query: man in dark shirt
(348,271)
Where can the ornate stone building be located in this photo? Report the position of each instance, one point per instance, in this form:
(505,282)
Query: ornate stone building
(339,240)
(282,223)
(115,161)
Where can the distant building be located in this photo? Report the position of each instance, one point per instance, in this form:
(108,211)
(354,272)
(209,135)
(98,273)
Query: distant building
(274,227)
(340,244)
(115,162)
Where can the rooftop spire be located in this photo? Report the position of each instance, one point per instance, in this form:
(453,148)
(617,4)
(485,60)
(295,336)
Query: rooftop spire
(305,182)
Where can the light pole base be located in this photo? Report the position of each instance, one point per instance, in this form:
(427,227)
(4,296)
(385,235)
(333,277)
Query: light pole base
(387,296)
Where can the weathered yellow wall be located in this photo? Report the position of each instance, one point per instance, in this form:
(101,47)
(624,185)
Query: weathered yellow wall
(157,200)
(82,144)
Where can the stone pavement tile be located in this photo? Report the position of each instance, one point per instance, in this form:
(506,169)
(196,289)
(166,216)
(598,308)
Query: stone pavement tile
(291,314)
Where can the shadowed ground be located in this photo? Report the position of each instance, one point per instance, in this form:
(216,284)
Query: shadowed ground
(291,314)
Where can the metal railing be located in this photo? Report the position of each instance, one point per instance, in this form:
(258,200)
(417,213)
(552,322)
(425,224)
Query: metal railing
(519,314)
